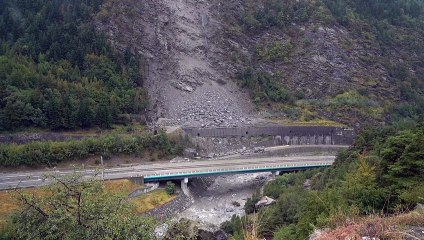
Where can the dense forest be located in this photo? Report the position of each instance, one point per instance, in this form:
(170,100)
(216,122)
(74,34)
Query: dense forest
(57,72)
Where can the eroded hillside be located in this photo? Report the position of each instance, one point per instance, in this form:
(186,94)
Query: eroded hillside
(298,60)
(186,76)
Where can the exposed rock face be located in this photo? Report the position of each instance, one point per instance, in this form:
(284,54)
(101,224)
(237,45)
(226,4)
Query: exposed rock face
(193,51)
(324,60)
(185,75)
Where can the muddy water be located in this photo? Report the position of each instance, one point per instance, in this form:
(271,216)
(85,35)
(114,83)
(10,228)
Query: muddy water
(214,204)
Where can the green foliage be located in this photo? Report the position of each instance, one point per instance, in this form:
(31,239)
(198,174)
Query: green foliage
(278,13)
(286,233)
(351,99)
(275,52)
(249,206)
(396,12)
(275,188)
(382,171)
(361,188)
(403,166)
(285,211)
(234,226)
(57,72)
(77,209)
(51,153)
(390,31)
(264,87)
(184,229)
(170,187)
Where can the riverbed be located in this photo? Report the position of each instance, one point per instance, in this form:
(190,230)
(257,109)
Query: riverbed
(223,197)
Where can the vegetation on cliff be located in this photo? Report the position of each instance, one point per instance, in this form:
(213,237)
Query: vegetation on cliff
(306,55)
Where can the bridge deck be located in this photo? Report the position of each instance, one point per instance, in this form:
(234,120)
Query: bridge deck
(165,171)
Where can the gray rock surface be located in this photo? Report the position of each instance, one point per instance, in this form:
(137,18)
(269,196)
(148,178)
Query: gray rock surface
(186,73)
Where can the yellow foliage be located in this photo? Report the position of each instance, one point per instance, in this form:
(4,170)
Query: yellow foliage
(9,201)
(363,176)
(151,200)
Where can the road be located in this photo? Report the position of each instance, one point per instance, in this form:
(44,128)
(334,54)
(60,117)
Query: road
(152,172)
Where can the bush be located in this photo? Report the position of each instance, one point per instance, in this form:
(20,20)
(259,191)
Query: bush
(382,171)
(170,187)
(249,206)
(51,153)
(264,87)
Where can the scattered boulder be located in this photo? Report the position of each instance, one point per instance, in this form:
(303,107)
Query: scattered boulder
(190,152)
(264,201)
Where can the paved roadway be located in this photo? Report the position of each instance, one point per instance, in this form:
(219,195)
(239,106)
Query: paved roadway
(153,172)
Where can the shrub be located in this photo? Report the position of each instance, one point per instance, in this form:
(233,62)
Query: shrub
(51,153)
(170,187)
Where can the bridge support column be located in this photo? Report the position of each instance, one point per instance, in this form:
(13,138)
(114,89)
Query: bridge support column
(275,174)
(184,187)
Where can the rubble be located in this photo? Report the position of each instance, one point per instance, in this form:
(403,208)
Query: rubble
(186,73)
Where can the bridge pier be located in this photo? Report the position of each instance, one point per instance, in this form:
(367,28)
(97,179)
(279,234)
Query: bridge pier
(275,174)
(184,187)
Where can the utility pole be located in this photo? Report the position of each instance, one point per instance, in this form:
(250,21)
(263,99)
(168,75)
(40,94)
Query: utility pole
(103,169)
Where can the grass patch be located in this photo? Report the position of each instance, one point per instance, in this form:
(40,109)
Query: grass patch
(133,128)
(9,201)
(375,226)
(314,122)
(151,200)
(123,186)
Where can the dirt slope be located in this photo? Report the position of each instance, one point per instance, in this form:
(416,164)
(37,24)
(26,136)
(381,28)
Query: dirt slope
(187,80)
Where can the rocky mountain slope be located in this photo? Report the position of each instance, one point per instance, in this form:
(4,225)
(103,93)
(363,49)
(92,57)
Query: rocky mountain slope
(185,77)
(298,60)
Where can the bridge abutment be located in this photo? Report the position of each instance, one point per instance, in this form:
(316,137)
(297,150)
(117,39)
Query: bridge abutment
(184,187)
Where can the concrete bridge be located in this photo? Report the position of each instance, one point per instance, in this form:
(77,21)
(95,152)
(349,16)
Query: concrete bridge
(177,171)
(283,135)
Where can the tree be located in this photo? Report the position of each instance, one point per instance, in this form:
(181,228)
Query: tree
(57,71)
(170,187)
(53,109)
(103,114)
(249,206)
(86,114)
(77,209)
(403,165)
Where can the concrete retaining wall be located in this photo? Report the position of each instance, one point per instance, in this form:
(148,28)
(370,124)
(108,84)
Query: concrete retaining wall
(147,188)
(283,135)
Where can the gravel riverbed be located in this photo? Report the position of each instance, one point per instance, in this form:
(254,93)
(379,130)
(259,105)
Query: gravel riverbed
(215,203)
